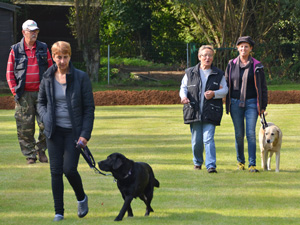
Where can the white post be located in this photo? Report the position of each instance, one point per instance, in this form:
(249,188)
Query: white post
(108,70)
(187,55)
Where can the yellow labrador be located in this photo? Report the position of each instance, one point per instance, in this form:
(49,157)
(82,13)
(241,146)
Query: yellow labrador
(270,140)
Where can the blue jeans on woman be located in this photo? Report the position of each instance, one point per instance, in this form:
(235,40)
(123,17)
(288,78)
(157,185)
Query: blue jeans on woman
(203,133)
(238,115)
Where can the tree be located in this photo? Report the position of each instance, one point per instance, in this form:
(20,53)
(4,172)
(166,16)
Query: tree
(84,21)
(149,29)
(223,21)
(281,50)
(132,20)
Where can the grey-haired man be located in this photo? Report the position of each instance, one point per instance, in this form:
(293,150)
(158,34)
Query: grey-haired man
(27,61)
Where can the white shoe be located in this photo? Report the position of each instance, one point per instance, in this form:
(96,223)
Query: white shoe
(83,208)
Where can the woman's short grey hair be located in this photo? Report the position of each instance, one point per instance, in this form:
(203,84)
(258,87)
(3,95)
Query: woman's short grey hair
(206,47)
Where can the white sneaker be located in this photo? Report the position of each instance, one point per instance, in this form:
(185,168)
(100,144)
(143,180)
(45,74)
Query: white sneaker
(83,208)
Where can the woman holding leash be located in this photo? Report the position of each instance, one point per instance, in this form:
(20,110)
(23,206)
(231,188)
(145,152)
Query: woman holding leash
(247,98)
(66,107)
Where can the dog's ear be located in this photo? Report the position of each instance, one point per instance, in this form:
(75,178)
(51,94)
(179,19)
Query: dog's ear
(279,132)
(118,162)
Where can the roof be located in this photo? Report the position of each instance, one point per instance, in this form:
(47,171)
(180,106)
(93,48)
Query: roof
(9,7)
(45,2)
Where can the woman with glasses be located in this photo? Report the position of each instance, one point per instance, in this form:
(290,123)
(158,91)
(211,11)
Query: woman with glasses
(202,89)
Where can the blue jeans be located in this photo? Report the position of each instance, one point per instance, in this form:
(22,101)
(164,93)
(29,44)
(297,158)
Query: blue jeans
(203,133)
(238,114)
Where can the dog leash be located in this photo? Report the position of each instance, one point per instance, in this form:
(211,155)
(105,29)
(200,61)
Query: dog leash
(263,121)
(87,155)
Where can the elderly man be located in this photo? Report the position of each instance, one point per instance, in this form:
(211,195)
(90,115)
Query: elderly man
(202,89)
(27,62)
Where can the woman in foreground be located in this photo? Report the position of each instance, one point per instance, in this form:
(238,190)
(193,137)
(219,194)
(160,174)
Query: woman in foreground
(66,107)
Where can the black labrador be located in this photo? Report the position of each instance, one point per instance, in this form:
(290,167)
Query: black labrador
(134,179)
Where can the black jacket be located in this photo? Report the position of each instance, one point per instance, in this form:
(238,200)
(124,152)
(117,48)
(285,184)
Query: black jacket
(260,85)
(213,108)
(80,102)
(21,61)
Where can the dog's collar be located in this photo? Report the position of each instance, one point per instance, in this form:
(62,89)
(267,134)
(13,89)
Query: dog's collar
(128,174)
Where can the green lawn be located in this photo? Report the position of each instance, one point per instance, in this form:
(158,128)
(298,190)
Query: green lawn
(157,135)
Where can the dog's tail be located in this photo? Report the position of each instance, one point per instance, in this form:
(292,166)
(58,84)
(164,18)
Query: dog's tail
(156,183)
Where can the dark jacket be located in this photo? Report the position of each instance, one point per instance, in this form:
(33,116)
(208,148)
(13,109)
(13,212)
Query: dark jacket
(80,102)
(259,81)
(21,60)
(213,108)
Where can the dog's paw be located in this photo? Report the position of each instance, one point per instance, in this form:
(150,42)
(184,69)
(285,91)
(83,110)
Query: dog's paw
(118,219)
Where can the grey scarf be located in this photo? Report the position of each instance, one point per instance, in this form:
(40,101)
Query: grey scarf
(236,78)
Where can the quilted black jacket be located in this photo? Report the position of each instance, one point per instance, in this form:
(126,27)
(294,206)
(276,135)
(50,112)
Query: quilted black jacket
(80,102)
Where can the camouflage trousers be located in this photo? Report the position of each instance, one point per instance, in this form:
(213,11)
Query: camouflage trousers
(25,115)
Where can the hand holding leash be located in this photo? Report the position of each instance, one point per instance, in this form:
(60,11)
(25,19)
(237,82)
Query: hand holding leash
(87,155)
(82,142)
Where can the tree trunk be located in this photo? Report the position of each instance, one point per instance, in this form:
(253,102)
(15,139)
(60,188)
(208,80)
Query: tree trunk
(91,57)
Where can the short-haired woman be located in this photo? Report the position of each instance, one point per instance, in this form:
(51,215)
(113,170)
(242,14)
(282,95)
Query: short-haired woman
(202,89)
(66,107)
(247,98)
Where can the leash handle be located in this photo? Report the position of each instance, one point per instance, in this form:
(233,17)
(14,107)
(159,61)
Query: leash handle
(263,121)
(87,155)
